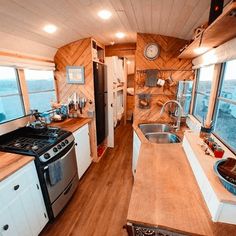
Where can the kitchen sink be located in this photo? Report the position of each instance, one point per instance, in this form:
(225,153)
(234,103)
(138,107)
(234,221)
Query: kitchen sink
(154,127)
(162,137)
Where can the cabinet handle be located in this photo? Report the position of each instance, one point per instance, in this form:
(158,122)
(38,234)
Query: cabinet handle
(16,187)
(76,144)
(5,227)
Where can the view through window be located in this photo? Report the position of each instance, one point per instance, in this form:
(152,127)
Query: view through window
(202,92)
(225,112)
(11,106)
(41,89)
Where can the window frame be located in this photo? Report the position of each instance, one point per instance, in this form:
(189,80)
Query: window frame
(216,105)
(195,94)
(20,94)
(38,92)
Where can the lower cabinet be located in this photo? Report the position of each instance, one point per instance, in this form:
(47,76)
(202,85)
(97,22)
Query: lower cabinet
(22,209)
(136,148)
(82,149)
(141,230)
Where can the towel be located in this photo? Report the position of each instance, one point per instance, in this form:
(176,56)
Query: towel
(55,172)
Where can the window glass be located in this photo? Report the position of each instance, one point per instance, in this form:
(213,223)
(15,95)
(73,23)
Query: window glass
(11,106)
(41,89)
(225,112)
(202,92)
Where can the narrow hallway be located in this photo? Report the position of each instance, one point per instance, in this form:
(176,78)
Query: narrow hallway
(99,206)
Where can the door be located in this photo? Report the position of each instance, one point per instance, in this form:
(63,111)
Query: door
(82,149)
(98,72)
(7,227)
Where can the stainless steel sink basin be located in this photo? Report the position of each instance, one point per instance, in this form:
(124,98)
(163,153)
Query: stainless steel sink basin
(162,137)
(154,127)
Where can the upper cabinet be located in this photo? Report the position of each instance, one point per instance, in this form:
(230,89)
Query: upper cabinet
(219,32)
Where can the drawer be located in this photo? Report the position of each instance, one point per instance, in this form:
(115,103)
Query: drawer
(14,184)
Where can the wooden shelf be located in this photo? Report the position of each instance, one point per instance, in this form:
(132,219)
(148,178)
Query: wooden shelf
(219,32)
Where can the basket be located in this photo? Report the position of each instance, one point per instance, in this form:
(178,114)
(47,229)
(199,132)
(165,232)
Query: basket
(228,185)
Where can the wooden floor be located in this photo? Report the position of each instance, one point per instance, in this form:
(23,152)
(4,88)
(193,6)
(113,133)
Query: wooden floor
(100,204)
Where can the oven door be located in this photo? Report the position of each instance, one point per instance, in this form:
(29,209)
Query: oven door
(69,171)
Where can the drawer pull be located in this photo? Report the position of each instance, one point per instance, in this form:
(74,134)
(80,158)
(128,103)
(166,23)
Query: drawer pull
(16,187)
(5,227)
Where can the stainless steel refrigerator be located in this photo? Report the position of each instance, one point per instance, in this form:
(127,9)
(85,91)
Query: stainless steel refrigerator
(184,96)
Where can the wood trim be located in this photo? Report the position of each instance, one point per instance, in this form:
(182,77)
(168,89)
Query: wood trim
(24,90)
(125,49)
(17,55)
(213,95)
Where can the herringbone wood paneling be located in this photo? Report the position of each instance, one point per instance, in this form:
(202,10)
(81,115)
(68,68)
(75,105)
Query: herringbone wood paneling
(168,59)
(78,53)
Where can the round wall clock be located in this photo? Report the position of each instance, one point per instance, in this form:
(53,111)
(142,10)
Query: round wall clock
(152,51)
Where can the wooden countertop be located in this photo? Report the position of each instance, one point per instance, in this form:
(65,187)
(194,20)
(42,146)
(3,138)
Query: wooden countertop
(10,163)
(71,124)
(207,162)
(165,193)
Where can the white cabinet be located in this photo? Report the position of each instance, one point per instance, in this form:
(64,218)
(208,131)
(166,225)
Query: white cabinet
(136,148)
(22,209)
(82,149)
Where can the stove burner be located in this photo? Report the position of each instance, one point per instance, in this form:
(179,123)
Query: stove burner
(17,145)
(30,141)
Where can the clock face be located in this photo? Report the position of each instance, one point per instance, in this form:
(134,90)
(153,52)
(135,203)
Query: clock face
(152,51)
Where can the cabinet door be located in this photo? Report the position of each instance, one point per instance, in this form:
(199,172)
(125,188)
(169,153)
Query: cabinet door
(82,149)
(7,227)
(32,201)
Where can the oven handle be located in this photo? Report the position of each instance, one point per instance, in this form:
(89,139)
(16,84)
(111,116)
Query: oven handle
(46,167)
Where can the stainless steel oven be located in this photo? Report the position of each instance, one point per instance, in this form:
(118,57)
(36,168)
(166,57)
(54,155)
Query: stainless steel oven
(61,192)
(57,195)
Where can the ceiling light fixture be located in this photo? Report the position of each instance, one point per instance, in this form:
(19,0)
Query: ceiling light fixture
(112,42)
(120,35)
(50,28)
(104,14)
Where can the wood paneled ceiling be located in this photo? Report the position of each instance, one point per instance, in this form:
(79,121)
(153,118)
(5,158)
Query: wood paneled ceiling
(78,19)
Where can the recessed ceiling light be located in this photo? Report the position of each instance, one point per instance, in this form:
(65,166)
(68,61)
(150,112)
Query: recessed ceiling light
(200,50)
(120,35)
(50,29)
(104,14)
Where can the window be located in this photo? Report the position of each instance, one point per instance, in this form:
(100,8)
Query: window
(225,112)
(11,106)
(41,89)
(202,92)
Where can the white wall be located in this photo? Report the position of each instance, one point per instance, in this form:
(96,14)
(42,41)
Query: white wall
(14,44)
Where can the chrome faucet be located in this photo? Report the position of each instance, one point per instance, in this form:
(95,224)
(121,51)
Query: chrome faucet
(180,112)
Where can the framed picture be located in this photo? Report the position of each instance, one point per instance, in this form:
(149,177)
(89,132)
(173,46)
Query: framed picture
(75,74)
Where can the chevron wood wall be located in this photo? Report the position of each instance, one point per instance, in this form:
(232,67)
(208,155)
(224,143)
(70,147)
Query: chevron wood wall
(78,53)
(168,59)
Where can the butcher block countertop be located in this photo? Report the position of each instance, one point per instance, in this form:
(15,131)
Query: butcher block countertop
(10,163)
(71,124)
(165,193)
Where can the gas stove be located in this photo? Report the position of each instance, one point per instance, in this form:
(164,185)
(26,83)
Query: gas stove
(30,141)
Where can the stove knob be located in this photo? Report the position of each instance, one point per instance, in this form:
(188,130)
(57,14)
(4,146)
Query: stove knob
(66,141)
(55,149)
(63,144)
(46,155)
(59,146)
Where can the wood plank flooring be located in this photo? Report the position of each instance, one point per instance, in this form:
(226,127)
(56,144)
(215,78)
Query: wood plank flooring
(100,204)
